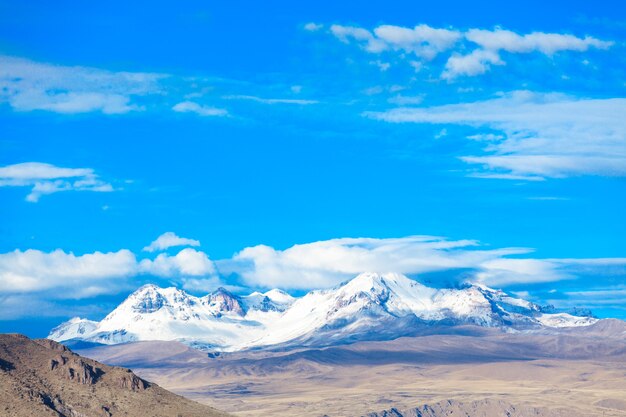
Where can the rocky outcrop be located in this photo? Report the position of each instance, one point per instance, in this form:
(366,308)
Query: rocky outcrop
(223,300)
(75,369)
(132,382)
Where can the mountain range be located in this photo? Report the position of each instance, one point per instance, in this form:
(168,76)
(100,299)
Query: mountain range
(371,306)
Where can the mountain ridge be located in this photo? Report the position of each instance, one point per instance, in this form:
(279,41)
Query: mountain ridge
(370,306)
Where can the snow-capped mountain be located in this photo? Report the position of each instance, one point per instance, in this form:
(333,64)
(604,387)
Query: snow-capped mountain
(370,306)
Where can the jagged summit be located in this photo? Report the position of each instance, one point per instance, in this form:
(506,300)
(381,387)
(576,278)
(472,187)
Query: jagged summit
(370,306)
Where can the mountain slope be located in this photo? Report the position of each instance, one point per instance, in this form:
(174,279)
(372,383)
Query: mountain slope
(44,378)
(369,307)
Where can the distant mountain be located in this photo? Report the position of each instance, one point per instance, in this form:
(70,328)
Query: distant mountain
(44,378)
(369,307)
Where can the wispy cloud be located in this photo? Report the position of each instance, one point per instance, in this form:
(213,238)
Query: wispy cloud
(270,100)
(28,85)
(192,107)
(44,179)
(545,135)
(313,27)
(546,43)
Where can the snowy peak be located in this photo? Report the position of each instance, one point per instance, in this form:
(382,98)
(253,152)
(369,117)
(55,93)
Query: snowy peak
(151,298)
(75,328)
(272,300)
(279,297)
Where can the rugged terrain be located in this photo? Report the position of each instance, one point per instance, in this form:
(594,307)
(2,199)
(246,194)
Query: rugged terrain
(43,378)
(379,345)
(455,371)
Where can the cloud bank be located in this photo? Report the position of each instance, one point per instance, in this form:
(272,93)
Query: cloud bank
(323,264)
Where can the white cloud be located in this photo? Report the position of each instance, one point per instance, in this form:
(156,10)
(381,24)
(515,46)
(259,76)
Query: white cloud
(270,100)
(62,274)
(48,179)
(187,262)
(422,40)
(192,107)
(168,240)
(546,43)
(480,60)
(78,276)
(546,135)
(476,63)
(426,42)
(28,85)
(368,41)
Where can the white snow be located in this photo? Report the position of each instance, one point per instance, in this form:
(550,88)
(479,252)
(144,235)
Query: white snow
(370,304)
(565,320)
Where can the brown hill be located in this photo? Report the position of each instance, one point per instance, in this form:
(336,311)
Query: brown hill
(44,378)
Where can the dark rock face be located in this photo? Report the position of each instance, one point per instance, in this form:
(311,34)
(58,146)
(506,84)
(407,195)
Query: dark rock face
(75,369)
(225,301)
(132,382)
(82,372)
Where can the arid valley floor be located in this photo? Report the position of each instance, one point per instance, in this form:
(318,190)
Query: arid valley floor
(472,372)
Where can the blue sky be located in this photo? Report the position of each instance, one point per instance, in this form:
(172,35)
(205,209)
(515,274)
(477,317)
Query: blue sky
(494,133)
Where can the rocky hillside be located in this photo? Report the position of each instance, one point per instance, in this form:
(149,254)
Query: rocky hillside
(43,378)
